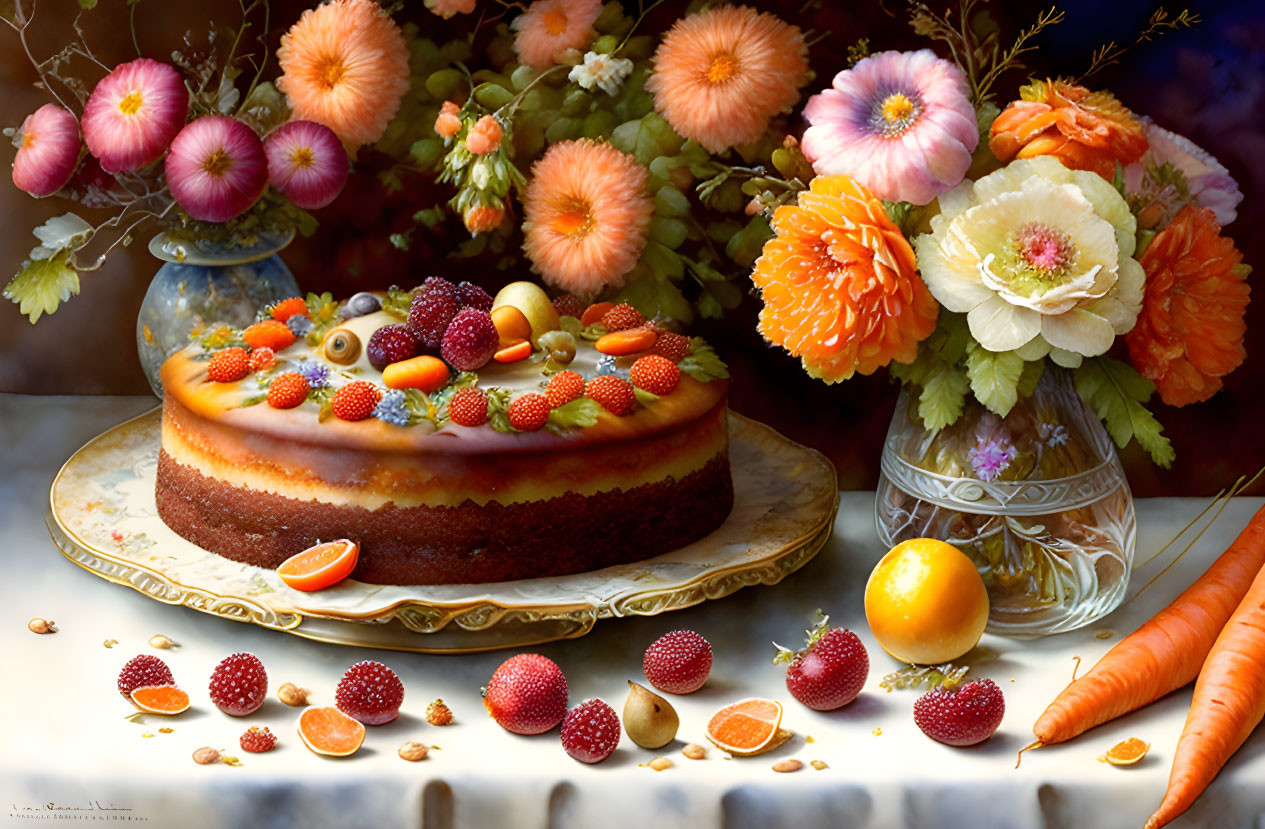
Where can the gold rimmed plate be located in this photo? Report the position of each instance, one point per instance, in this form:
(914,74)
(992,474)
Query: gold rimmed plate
(102,516)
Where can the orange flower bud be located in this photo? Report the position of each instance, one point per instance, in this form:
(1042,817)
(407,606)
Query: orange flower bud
(448,124)
(483,219)
(485,136)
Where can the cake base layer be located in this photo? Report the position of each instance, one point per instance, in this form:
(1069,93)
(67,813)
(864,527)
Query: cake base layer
(467,543)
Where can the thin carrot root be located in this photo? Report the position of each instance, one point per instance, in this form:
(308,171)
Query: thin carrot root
(1076,667)
(1028,747)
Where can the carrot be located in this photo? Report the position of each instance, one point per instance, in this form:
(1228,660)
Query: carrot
(1229,702)
(1165,653)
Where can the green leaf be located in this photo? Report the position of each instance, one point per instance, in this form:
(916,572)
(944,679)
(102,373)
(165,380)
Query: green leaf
(670,233)
(645,398)
(1032,371)
(1117,394)
(702,363)
(87,4)
(744,247)
(579,413)
(646,138)
(67,231)
(492,95)
(994,377)
(943,395)
(264,109)
(671,202)
(43,284)
(443,83)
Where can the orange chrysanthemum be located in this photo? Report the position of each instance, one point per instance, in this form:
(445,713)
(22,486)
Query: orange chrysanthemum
(586,213)
(552,26)
(840,286)
(1190,332)
(1082,129)
(720,75)
(345,65)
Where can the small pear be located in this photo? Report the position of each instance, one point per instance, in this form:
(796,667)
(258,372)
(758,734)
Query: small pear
(649,719)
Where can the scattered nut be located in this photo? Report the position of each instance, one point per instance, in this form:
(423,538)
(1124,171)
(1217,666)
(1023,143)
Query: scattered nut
(789,765)
(438,713)
(660,763)
(231,761)
(109,643)
(819,764)
(292,695)
(148,734)
(205,756)
(161,642)
(38,625)
(165,730)
(413,751)
(694,751)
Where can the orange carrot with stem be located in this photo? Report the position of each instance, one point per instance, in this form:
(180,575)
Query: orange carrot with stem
(1229,702)
(1165,653)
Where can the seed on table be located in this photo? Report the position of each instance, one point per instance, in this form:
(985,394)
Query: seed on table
(660,763)
(694,751)
(292,695)
(819,764)
(38,625)
(160,641)
(413,751)
(788,765)
(205,756)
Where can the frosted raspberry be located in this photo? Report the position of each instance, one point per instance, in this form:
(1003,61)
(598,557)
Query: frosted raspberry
(258,739)
(527,694)
(143,671)
(621,317)
(433,307)
(239,684)
(655,374)
(391,344)
(615,394)
(678,662)
(228,365)
(568,305)
(472,296)
(676,347)
(470,341)
(287,390)
(370,692)
(961,717)
(356,400)
(564,387)
(469,407)
(590,731)
(262,358)
(529,412)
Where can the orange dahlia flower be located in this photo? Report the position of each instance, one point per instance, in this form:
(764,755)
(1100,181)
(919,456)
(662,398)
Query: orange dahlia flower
(839,282)
(1190,332)
(1082,129)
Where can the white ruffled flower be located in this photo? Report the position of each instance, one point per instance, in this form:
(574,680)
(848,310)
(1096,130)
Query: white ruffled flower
(603,71)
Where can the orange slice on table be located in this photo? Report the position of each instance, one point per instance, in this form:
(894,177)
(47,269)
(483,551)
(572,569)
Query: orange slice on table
(1126,753)
(321,566)
(749,726)
(160,699)
(330,732)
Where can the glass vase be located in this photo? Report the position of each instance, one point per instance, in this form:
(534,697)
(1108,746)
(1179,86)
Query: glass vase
(1038,499)
(203,285)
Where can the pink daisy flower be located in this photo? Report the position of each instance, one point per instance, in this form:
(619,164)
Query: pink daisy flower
(898,122)
(48,147)
(133,113)
(552,26)
(216,168)
(306,163)
(448,8)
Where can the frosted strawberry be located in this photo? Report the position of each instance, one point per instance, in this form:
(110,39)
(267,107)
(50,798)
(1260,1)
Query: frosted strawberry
(961,717)
(262,358)
(228,365)
(356,400)
(216,168)
(615,394)
(370,692)
(470,340)
(655,374)
(133,114)
(239,684)
(529,413)
(288,390)
(392,343)
(830,671)
(527,694)
(433,307)
(590,731)
(621,317)
(48,149)
(306,163)
(678,662)
(673,346)
(473,296)
(469,407)
(564,387)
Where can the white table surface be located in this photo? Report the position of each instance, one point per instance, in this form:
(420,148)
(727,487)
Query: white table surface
(68,753)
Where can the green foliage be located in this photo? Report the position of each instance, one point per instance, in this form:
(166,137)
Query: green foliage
(1118,394)
(994,377)
(579,413)
(41,285)
(646,138)
(702,363)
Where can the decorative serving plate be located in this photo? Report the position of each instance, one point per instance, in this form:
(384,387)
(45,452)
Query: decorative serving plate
(103,518)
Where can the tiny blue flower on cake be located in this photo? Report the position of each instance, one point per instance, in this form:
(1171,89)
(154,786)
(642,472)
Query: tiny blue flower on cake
(392,408)
(301,325)
(991,457)
(606,365)
(316,374)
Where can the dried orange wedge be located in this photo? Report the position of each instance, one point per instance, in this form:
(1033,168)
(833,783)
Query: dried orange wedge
(160,699)
(321,566)
(747,727)
(330,732)
(1126,753)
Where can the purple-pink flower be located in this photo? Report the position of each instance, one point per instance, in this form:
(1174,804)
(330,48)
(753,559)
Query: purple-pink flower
(216,168)
(1208,182)
(48,148)
(306,163)
(991,457)
(133,113)
(898,122)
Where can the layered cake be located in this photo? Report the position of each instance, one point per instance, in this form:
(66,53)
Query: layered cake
(559,446)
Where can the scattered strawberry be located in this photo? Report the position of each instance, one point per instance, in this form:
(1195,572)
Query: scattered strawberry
(564,387)
(356,400)
(568,305)
(961,717)
(469,407)
(434,305)
(288,390)
(228,365)
(239,684)
(676,347)
(615,394)
(286,308)
(590,731)
(262,358)
(268,334)
(470,340)
(678,662)
(472,296)
(529,412)
(831,669)
(258,740)
(438,713)
(623,316)
(527,694)
(370,692)
(655,374)
(143,671)
(392,343)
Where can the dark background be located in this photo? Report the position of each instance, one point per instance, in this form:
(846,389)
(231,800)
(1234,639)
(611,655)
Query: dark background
(1207,83)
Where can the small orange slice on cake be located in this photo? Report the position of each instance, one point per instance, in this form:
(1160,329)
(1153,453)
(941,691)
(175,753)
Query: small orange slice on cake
(320,566)
(330,732)
(747,727)
(160,699)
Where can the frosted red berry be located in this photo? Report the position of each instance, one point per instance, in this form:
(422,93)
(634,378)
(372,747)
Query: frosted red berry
(564,387)
(228,365)
(678,662)
(239,684)
(472,296)
(287,308)
(621,317)
(527,694)
(590,731)
(615,394)
(568,305)
(370,692)
(262,358)
(143,671)
(434,305)
(288,390)
(470,340)
(673,346)
(529,412)
(391,344)
(963,716)
(356,400)
(830,672)
(468,407)
(258,740)
(438,713)
(655,374)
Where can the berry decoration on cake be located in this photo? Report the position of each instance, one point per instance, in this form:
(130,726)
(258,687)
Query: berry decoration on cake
(286,308)
(527,694)
(392,408)
(228,365)
(143,671)
(239,684)
(590,731)
(269,334)
(678,662)
(470,340)
(356,400)
(615,394)
(262,358)
(370,692)
(568,305)
(564,387)
(472,296)
(438,713)
(529,413)
(622,317)
(830,671)
(434,305)
(300,325)
(258,740)
(468,407)
(676,347)
(963,716)
(288,390)
(391,344)
(655,374)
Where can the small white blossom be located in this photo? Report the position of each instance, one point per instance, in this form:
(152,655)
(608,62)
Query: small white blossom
(601,70)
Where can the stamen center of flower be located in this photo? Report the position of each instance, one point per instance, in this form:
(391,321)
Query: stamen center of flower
(574,219)
(218,164)
(330,72)
(894,114)
(28,138)
(302,158)
(722,69)
(555,22)
(1044,249)
(131,102)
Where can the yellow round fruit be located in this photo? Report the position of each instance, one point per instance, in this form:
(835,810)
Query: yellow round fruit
(925,602)
(533,302)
